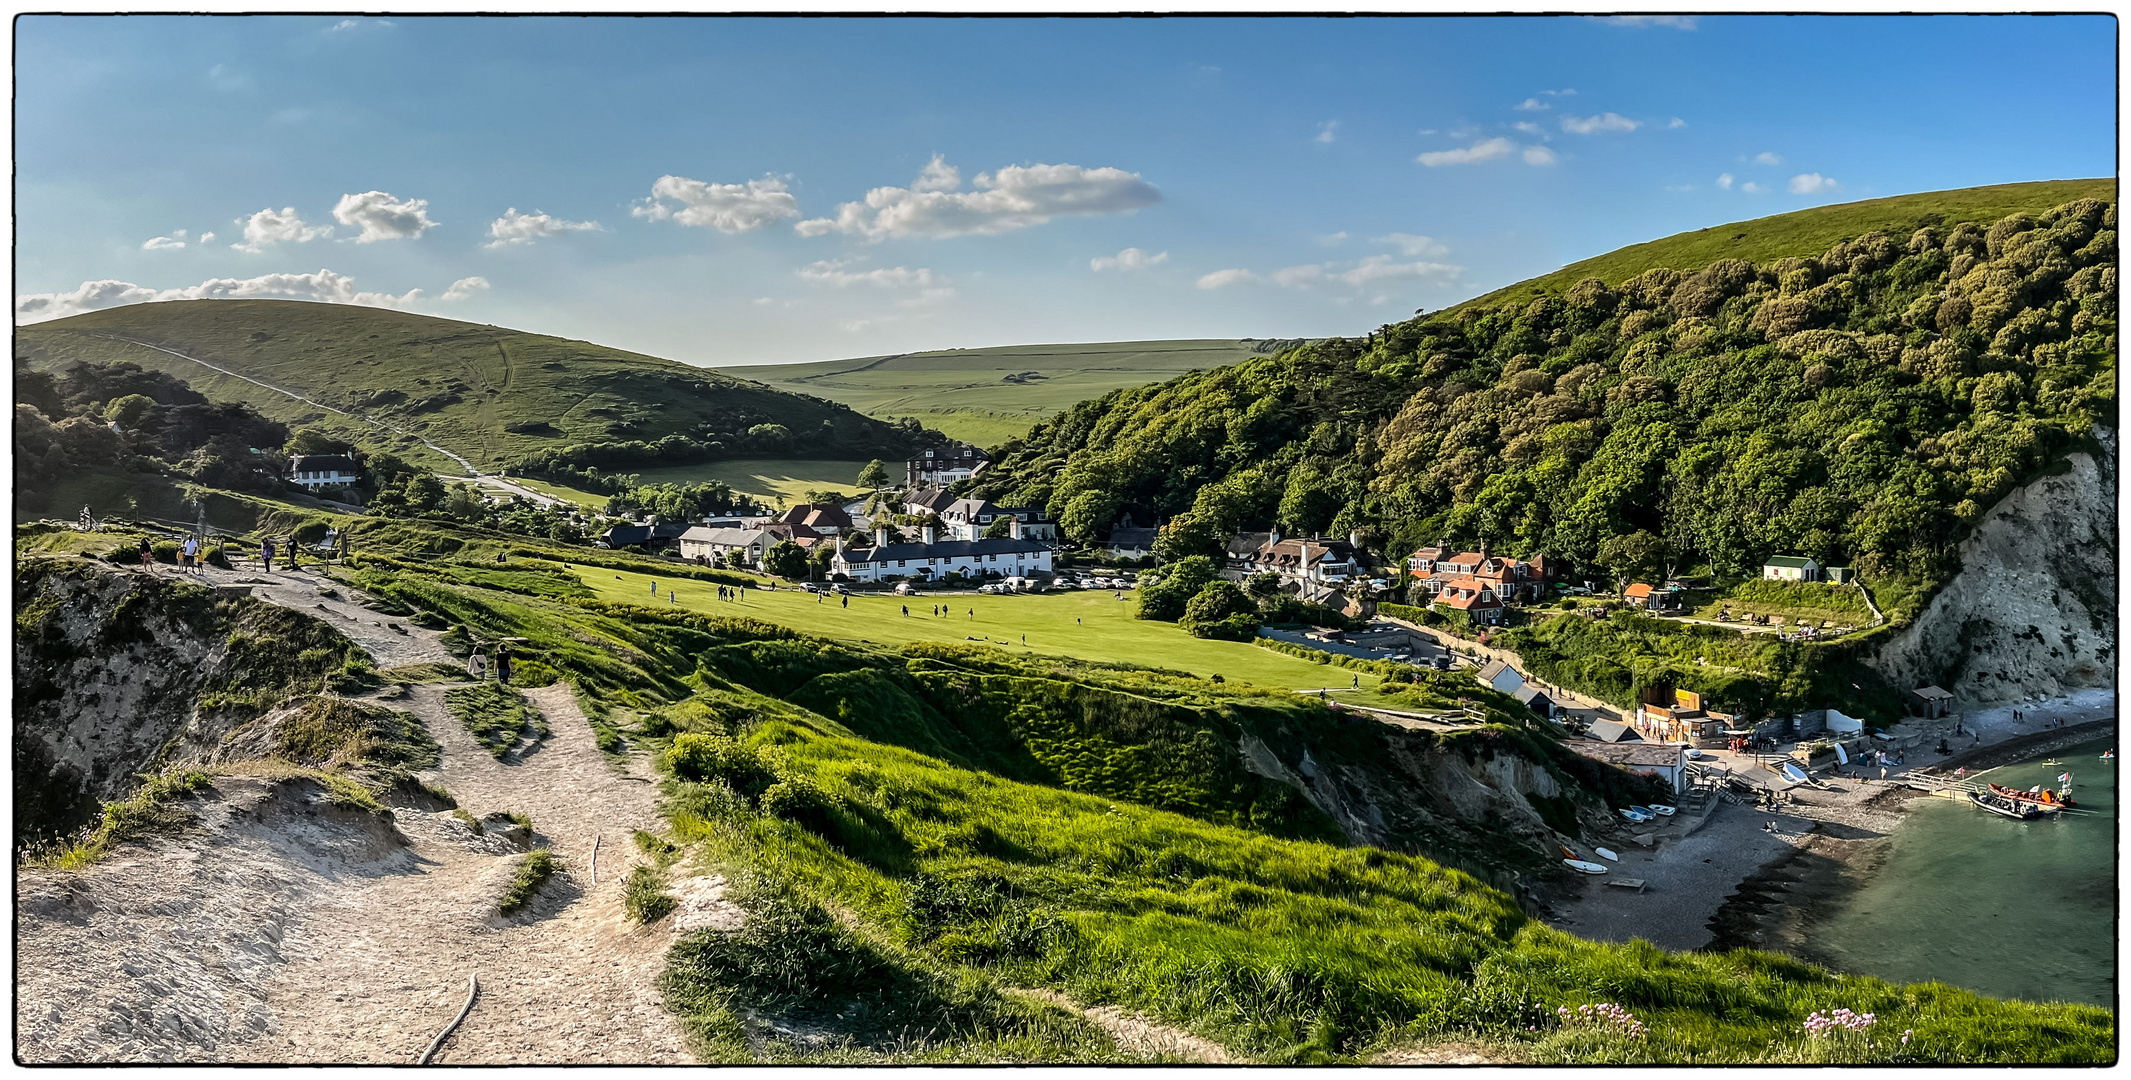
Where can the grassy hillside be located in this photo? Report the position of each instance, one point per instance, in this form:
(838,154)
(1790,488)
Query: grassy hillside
(1807,232)
(978,821)
(488,393)
(986,396)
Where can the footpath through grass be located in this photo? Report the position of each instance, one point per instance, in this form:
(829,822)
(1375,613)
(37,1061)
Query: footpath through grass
(1090,625)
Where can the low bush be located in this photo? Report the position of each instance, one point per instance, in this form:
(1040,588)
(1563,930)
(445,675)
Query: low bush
(534,869)
(644,895)
(497,716)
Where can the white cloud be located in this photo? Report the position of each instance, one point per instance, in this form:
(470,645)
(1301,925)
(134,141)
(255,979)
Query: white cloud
(382,216)
(1589,125)
(172,242)
(1567,92)
(1752,188)
(1812,182)
(207,238)
(937,175)
(1358,274)
(832,272)
(1426,131)
(1484,150)
(1221,279)
(1768,157)
(1679,187)
(1129,259)
(730,208)
(325,286)
(1333,239)
(346,25)
(269,227)
(1528,127)
(1413,246)
(1677,123)
(465,287)
(1724,181)
(516,228)
(1532,104)
(1538,155)
(1326,130)
(1676,22)
(1015,197)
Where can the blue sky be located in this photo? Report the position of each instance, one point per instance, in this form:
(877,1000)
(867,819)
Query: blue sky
(699,188)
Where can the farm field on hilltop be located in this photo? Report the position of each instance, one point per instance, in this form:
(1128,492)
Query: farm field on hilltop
(1105,629)
(988,395)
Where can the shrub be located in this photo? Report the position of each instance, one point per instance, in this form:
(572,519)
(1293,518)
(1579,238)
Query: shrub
(166,551)
(217,556)
(799,801)
(1232,628)
(704,758)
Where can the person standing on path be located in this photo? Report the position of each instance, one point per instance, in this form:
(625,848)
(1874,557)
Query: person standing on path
(189,555)
(293,554)
(266,554)
(503,661)
(477,665)
(147,555)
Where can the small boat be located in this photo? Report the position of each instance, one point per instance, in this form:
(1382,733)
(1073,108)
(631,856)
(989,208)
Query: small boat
(1607,854)
(1636,816)
(1793,773)
(1643,810)
(1663,810)
(2004,807)
(2108,755)
(1583,867)
(2045,800)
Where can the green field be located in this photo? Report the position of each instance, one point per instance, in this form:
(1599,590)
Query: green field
(772,480)
(967,393)
(1771,238)
(1091,625)
(461,385)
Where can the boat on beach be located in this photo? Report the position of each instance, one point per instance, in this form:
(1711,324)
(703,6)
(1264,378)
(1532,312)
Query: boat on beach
(2005,807)
(1583,867)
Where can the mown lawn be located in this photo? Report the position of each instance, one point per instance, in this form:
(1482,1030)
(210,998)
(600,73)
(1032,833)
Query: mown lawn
(1092,625)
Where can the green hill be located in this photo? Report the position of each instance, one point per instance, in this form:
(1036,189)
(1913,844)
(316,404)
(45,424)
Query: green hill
(988,395)
(1807,232)
(490,394)
(1863,403)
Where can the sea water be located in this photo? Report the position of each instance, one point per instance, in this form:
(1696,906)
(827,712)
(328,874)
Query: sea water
(2013,909)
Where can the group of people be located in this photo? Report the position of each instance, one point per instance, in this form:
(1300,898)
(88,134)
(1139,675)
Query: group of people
(477,664)
(192,553)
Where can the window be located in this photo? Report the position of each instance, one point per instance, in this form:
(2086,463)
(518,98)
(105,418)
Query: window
(899,562)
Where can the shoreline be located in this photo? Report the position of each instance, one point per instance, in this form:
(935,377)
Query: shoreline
(1738,883)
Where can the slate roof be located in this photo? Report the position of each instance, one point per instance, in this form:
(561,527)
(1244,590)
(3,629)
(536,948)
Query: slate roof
(704,534)
(1791,562)
(1637,756)
(1612,731)
(946,549)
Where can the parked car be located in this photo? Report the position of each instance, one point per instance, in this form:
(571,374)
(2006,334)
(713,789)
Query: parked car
(811,587)
(903,588)
(839,590)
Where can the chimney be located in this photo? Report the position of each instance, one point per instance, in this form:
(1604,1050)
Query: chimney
(931,535)
(1276,535)
(1305,560)
(880,534)
(1354,539)
(1013,527)
(1483,551)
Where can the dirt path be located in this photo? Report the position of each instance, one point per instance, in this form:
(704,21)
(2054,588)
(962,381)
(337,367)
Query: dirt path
(310,591)
(378,968)
(284,929)
(1139,1034)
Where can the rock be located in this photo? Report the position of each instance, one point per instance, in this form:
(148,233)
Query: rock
(501,826)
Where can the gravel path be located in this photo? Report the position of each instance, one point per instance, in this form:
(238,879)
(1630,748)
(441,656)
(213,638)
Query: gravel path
(378,969)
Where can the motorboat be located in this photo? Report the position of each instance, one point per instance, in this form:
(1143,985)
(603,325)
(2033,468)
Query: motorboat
(1607,854)
(2043,799)
(2004,807)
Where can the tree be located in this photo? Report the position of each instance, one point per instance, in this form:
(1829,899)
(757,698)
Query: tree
(463,503)
(128,411)
(736,559)
(1636,555)
(786,560)
(1187,535)
(825,497)
(1218,600)
(424,493)
(1165,597)
(1264,586)
(1002,527)
(874,476)
(1088,515)
(310,440)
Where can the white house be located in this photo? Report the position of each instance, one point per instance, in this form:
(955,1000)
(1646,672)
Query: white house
(946,465)
(316,471)
(1666,761)
(968,519)
(934,558)
(1790,568)
(706,544)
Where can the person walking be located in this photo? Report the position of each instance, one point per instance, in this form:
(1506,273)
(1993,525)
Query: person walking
(188,556)
(266,553)
(147,555)
(503,661)
(293,554)
(847,603)
(906,611)
(477,666)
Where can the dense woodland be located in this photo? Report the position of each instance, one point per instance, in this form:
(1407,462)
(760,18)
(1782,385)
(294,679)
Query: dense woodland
(121,419)
(1862,406)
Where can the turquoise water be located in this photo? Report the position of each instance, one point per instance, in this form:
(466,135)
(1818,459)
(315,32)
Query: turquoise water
(2018,909)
